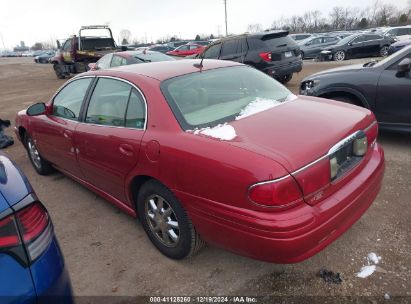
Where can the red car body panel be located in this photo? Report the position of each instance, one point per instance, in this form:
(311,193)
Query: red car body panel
(211,177)
(183,53)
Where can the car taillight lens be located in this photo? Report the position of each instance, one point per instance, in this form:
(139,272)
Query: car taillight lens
(9,236)
(266,56)
(29,227)
(278,193)
(315,177)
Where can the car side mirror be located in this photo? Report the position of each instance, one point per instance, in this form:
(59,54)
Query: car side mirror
(36,109)
(403,67)
(350,44)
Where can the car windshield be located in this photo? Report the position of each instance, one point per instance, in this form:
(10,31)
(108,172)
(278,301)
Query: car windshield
(209,98)
(151,57)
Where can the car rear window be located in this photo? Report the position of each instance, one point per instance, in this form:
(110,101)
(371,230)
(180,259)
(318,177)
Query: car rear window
(218,96)
(271,44)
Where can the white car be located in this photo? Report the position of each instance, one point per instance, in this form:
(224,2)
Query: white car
(400,32)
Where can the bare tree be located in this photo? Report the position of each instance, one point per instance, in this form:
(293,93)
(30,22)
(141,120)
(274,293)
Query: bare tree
(254,28)
(124,36)
(337,17)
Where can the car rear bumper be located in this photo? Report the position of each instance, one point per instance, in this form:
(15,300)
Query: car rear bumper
(283,68)
(296,234)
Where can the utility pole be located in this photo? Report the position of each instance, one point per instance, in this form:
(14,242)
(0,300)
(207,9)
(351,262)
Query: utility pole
(4,46)
(225,7)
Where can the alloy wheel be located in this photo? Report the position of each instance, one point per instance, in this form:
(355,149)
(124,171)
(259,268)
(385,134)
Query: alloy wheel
(162,220)
(339,56)
(34,154)
(384,51)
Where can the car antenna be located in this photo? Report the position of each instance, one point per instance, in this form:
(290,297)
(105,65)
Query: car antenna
(199,65)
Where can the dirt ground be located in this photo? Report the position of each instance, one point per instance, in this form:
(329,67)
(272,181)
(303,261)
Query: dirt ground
(108,253)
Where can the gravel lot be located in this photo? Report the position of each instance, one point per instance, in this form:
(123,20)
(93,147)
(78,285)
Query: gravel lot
(108,253)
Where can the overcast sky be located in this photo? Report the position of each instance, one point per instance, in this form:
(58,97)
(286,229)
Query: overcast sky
(42,20)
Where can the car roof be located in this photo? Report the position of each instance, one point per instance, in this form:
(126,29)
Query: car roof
(164,69)
(133,53)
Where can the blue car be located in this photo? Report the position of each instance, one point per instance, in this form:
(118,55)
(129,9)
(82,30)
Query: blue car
(395,47)
(32,268)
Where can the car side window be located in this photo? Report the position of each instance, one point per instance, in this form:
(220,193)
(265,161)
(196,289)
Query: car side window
(67,103)
(136,111)
(108,103)
(358,39)
(67,45)
(316,41)
(118,61)
(104,62)
(213,51)
(394,66)
(184,48)
(231,47)
(193,47)
(330,39)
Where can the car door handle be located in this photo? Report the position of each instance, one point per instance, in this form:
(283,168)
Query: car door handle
(126,149)
(67,134)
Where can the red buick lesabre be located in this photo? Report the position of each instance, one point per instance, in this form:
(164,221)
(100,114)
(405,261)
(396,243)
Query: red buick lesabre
(216,152)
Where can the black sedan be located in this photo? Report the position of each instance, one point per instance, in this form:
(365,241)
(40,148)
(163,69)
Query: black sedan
(358,46)
(383,87)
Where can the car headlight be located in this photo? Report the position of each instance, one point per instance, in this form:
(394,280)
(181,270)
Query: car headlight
(309,85)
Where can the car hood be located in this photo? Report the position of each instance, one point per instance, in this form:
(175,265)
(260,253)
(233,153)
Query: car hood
(347,68)
(299,132)
(14,185)
(401,43)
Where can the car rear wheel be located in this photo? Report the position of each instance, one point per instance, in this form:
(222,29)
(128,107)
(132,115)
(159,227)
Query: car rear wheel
(166,223)
(42,166)
(286,78)
(339,56)
(384,51)
(302,55)
(59,71)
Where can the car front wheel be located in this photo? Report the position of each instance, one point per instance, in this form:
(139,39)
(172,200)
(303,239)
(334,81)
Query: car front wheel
(166,222)
(384,51)
(339,56)
(42,166)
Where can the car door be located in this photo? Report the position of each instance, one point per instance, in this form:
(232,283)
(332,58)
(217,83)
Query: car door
(55,132)
(393,103)
(313,47)
(108,141)
(66,50)
(357,47)
(372,45)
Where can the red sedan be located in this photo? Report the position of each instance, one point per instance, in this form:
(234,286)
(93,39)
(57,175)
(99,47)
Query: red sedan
(187,50)
(218,152)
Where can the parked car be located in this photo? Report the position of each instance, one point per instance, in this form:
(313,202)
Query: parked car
(312,47)
(128,57)
(205,43)
(161,48)
(176,44)
(358,46)
(400,32)
(395,47)
(273,52)
(211,148)
(31,263)
(187,50)
(383,87)
(299,37)
(45,57)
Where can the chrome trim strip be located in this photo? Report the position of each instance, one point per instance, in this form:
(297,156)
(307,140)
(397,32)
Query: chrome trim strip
(30,198)
(331,151)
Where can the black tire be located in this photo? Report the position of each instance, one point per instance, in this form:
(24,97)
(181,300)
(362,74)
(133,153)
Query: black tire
(286,78)
(302,55)
(188,242)
(42,166)
(58,70)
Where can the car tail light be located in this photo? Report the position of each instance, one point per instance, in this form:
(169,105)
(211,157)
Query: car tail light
(266,56)
(315,177)
(30,228)
(279,193)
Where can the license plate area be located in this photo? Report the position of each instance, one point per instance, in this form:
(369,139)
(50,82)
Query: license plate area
(288,54)
(345,159)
